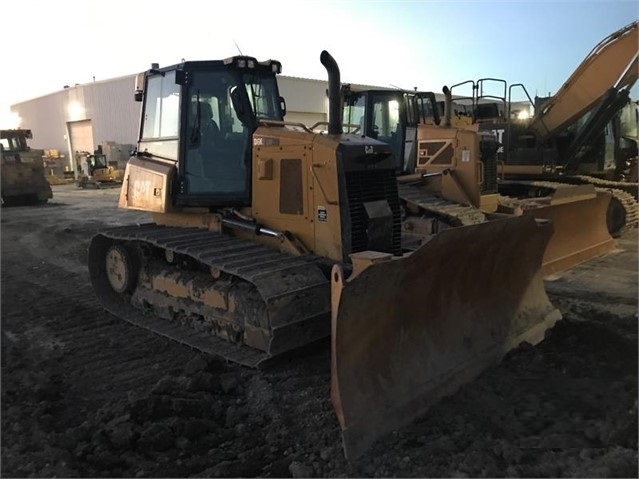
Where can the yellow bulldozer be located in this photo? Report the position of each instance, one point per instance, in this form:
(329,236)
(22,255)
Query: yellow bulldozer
(267,236)
(22,170)
(453,169)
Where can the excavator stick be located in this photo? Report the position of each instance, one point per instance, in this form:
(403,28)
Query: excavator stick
(408,331)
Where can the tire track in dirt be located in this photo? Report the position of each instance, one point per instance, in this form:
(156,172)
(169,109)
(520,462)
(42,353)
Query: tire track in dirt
(94,347)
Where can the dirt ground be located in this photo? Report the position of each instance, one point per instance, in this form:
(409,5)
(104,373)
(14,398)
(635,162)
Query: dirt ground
(87,395)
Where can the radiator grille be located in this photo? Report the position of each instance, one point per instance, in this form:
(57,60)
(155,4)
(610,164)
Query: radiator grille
(371,185)
(489,159)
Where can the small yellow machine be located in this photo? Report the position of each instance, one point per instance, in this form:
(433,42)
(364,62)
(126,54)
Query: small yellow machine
(99,171)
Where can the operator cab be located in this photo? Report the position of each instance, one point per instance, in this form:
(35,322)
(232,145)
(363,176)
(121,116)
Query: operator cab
(200,116)
(390,116)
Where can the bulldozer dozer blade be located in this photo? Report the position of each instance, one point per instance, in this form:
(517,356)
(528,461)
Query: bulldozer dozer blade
(580,232)
(410,330)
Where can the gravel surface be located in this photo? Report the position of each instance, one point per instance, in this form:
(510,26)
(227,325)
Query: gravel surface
(87,395)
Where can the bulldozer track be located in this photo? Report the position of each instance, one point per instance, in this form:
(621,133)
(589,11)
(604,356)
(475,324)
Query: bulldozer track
(457,214)
(294,291)
(625,199)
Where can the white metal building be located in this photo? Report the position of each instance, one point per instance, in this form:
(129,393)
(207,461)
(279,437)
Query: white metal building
(84,116)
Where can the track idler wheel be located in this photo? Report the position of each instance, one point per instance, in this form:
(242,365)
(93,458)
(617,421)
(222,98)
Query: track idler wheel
(120,269)
(113,270)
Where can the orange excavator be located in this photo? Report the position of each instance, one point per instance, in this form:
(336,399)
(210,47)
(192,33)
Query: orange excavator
(266,235)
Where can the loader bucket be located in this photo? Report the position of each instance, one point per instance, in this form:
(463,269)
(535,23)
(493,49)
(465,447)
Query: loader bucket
(408,331)
(581,232)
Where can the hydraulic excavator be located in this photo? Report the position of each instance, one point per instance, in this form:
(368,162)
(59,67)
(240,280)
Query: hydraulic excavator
(452,171)
(267,236)
(564,143)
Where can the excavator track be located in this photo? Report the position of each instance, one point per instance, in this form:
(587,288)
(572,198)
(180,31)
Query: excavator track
(628,187)
(219,294)
(624,199)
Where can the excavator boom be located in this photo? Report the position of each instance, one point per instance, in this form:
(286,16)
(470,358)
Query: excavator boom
(613,62)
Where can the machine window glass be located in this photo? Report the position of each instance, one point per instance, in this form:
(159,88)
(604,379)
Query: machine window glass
(385,119)
(354,112)
(263,95)
(14,143)
(216,159)
(426,108)
(161,116)
(162,107)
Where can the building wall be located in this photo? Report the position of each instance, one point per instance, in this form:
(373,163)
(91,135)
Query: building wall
(303,95)
(45,117)
(115,115)
(109,104)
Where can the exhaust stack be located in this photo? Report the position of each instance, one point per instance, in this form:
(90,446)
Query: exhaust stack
(448,105)
(334,103)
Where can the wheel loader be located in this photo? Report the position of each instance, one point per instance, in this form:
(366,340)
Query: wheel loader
(267,236)
(458,165)
(22,170)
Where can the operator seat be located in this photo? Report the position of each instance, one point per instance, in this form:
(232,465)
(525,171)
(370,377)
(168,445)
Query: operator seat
(209,131)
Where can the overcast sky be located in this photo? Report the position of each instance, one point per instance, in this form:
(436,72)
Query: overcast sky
(418,43)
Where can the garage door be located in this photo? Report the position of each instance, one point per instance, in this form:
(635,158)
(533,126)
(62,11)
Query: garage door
(81,139)
(81,134)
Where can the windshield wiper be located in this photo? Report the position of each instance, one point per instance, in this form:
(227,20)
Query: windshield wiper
(195,133)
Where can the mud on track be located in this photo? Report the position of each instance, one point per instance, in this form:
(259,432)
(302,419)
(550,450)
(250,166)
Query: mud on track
(87,395)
